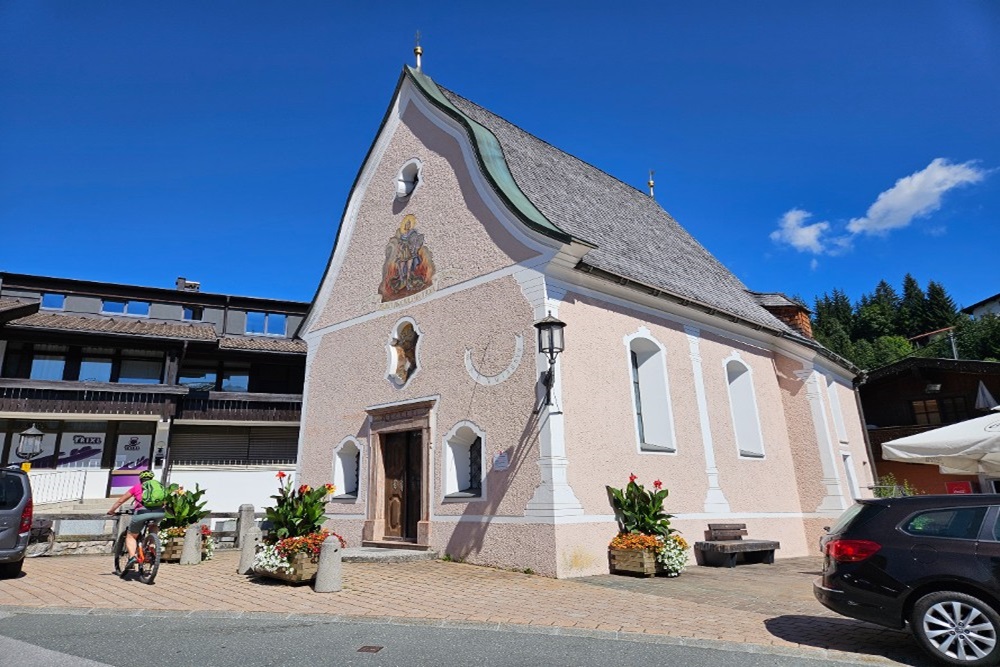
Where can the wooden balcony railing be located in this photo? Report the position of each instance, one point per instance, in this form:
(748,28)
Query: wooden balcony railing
(107,398)
(221,405)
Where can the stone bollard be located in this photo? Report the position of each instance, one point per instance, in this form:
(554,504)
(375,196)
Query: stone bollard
(191,554)
(249,539)
(328,576)
(244,520)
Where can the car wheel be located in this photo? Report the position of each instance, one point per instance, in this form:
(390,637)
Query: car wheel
(10,570)
(956,628)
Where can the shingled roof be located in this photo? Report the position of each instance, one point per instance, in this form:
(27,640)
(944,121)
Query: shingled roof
(122,326)
(11,309)
(634,237)
(258,344)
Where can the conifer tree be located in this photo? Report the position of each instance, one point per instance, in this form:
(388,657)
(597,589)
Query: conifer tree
(941,310)
(912,320)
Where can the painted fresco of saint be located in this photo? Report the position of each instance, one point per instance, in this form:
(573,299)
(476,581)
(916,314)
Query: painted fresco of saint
(408,267)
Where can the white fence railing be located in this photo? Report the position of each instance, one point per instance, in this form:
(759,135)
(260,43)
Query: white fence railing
(57,486)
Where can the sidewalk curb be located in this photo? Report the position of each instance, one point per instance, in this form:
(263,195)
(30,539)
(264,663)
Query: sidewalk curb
(716,644)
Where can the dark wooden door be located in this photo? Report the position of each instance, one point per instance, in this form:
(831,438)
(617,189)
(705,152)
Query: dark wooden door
(401,456)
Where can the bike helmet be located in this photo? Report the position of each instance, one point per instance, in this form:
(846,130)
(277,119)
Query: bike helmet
(146,475)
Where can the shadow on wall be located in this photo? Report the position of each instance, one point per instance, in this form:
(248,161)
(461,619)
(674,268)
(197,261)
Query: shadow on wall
(468,537)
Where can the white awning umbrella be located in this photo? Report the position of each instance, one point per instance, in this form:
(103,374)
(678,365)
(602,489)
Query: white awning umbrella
(971,446)
(984,399)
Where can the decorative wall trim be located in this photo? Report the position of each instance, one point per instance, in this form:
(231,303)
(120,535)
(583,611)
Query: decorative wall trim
(833,501)
(715,499)
(393,353)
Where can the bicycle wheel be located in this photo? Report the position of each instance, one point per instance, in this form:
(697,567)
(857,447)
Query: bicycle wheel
(150,558)
(121,553)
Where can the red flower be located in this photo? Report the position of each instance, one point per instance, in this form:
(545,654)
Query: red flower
(657,484)
(632,477)
(304,488)
(281,475)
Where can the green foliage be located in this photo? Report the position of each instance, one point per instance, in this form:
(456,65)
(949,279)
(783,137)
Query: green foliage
(888,487)
(183,508)
(640,511)
(979,338)
(296,512)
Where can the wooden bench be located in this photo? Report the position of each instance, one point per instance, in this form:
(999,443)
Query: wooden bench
(724,544)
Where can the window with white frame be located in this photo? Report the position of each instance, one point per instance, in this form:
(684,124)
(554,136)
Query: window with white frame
(463,474)
(651,395)
(743,404)
(347,468)
(838,414)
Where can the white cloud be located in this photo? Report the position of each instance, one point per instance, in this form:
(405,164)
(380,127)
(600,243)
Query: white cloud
(814,264)
(914,196)
(802,237)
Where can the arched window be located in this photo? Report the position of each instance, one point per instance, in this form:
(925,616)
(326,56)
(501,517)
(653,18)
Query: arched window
(650,394)
(408,178)
(463,464)
(347,468)
(743,405)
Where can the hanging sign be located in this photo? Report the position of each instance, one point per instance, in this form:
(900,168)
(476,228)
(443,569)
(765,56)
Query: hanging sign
(960,488)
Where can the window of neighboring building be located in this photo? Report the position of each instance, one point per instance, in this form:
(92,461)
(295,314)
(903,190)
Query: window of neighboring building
(236,376)
(133,308)
(960,523)
(96,365)
(464,463)
(198,377)
(266,324)
(743,406)
(141,367)
(53,301)
(651,396)
(933,411)
(193,313)
(48,362)
(346,468)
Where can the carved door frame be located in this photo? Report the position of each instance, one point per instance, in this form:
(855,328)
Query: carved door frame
(413,416)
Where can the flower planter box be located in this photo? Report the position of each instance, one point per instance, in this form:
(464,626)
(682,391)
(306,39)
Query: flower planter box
(642,563)
(303,569)
(171,549)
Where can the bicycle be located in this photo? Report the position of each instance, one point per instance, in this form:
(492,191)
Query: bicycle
(147,550)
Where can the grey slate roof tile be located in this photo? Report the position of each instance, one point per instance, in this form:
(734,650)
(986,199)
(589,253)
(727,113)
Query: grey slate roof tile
(635,237)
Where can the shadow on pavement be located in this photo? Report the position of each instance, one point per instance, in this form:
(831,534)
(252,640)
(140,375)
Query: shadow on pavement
(849,636)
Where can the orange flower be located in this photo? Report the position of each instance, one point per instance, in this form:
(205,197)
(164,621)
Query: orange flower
(330,488)
(281,475)
(304,488)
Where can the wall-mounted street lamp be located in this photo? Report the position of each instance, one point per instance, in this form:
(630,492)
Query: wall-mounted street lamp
(551,341)
(29,444)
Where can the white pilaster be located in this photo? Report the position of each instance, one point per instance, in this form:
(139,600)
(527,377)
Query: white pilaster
(553,497)
(715,499)
(833,499)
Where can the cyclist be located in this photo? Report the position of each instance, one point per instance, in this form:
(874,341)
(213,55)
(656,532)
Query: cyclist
(141,516)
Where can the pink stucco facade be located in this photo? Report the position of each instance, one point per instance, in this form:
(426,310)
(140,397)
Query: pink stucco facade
(542,502)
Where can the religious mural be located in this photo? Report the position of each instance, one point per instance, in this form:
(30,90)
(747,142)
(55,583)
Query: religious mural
(408,267)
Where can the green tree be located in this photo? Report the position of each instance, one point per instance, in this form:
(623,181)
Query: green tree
(889,349)
(876,313)
(979,338)
(834,313)
(912,320)
(941,310)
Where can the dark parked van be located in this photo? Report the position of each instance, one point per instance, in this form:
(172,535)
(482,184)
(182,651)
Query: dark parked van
(929,563)
(15,519)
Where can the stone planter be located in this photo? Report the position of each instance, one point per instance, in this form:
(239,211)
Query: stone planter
(635,562)
(303,569)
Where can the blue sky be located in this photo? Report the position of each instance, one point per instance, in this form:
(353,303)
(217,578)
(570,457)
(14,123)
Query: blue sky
(809,146)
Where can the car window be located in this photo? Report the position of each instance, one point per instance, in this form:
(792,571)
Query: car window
(957,522)
(996,528)
(846,518)
(11,490)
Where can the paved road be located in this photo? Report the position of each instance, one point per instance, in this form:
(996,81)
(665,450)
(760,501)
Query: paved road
(72,640)
(761,605)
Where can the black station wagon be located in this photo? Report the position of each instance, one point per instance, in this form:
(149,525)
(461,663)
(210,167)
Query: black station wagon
(931,563)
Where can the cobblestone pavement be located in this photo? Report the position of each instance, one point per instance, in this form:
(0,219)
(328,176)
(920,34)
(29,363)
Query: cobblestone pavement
(751,604)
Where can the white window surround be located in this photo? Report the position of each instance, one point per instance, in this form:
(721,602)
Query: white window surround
(852,481)
(346,469)
(455,448)
(838,414)
(653,402)
(408,178)
(743,407)
(392,355)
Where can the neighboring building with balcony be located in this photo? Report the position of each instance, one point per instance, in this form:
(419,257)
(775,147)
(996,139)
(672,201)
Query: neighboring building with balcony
(120,378)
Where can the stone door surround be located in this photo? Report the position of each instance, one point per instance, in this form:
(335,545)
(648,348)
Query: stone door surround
(415,416)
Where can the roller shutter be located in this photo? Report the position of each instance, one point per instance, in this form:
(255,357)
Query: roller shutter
(233,445)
